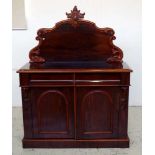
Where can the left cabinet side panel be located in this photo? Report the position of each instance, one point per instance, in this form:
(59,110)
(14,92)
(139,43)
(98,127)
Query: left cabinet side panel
(26,105)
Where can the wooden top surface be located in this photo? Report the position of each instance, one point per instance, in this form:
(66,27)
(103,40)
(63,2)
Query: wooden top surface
(73,67)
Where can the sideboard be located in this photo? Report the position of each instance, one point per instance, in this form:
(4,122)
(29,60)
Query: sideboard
(75,88)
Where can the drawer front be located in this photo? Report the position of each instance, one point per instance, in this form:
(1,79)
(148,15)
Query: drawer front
(52,79)
(98,79)
(77,79)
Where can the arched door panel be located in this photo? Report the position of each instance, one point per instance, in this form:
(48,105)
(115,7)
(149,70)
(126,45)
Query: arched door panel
(53,112)
(97,112)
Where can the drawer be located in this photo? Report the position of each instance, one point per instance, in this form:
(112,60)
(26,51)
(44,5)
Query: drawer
(98,79)
(52,79)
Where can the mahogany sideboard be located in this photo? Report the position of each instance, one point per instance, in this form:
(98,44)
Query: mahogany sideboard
(75,88)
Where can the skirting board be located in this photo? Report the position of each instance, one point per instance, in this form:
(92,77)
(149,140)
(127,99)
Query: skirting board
(72,143)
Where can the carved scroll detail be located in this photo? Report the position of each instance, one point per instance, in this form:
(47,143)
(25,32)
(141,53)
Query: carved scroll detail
(117,53)
(26,98)
(123,100)
(34,54)
(25,94)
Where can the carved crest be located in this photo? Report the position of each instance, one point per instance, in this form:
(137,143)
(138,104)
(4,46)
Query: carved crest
(75,14)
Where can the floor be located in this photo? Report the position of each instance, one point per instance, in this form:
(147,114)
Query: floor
(134,132)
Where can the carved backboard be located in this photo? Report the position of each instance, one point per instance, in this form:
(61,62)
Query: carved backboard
(75,39)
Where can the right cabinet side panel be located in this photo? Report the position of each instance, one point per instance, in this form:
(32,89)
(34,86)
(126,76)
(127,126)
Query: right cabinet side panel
(123,112)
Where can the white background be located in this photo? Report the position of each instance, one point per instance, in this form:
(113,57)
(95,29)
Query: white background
(124,16)
(148,77)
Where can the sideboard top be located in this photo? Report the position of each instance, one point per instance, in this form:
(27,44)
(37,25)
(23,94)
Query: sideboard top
(59,67)
(75,39)
(75,45)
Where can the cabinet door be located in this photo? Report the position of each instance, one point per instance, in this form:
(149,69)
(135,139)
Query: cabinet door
(97,112)
(52,110)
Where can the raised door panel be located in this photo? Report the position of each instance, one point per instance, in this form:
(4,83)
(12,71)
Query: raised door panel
(53,112)
(97,112)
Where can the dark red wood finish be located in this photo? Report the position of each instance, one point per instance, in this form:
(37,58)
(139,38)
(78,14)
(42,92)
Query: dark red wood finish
(97,112)
(53,112)
(78,40)
(75,109)
(75,89)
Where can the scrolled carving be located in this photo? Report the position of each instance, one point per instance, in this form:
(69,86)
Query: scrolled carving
(34,54)
(123,100)
(117,56)
(26,98)
(110,32)
(25,94)
(41,33)
(117,53)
